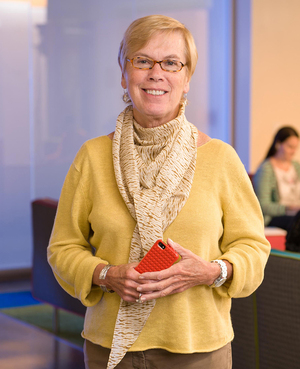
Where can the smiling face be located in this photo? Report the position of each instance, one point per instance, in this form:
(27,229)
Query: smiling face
(156,94)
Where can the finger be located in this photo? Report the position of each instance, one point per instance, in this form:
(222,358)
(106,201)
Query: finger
(159,285)
(153,277)
(181,250)
(174,288)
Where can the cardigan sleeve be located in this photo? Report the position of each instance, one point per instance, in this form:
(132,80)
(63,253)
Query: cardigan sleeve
(69,252)
(297,168)
(243,242)
(265,185)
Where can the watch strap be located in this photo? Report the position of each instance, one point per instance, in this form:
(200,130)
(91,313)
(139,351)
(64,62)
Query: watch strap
(223,275)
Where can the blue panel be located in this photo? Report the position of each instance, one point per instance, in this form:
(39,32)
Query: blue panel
(220,70)
(242,80)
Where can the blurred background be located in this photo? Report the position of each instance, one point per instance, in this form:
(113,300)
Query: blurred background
(60,85)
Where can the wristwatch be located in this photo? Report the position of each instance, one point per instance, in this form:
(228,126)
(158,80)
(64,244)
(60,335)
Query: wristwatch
(223,276)
(102,275)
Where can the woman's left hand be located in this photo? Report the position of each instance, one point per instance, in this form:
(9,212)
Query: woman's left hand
(190,271)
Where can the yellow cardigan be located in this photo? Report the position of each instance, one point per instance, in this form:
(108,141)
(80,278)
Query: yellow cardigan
(221,219)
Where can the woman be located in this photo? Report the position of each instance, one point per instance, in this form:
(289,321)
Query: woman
(157,177)
(277,180)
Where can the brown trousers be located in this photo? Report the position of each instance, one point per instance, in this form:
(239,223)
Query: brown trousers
(96,357)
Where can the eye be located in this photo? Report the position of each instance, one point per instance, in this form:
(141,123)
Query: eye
(143,62)
(171,63)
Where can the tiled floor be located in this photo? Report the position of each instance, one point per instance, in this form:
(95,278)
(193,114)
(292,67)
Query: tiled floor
(23,346)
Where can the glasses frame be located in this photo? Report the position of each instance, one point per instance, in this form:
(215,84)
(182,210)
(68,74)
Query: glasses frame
(155,62)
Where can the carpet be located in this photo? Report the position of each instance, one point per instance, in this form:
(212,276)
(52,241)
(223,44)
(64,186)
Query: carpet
(41,315)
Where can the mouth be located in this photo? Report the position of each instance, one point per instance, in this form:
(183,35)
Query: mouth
(155,92)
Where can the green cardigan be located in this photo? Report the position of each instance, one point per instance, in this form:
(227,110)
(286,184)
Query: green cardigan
(265,185)
(221,219)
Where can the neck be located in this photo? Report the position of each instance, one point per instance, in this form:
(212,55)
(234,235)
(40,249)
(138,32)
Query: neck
(281,159)
(281,162)
(149,121)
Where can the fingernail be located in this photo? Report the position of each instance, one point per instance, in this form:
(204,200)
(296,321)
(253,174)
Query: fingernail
(141,277)
(139,289)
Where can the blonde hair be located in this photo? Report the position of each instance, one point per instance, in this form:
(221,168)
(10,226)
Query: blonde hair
(141,30)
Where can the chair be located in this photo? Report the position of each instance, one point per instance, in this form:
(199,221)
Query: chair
(44,285)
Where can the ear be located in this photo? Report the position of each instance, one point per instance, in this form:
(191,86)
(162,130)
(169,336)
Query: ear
(123,81)
(186,87)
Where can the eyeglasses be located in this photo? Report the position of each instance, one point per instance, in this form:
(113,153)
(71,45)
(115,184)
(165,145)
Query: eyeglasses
(167,65)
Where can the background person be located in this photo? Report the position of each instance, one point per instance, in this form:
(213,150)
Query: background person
(157,177)
(277,180)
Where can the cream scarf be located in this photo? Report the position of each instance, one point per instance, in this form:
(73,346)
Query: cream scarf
(154,169)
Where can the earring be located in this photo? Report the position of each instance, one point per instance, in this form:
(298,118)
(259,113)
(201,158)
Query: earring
(126,97)
(184,100)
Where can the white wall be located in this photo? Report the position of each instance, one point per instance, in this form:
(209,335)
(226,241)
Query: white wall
(78,77)
(275,92)
(60,85)
(15,125)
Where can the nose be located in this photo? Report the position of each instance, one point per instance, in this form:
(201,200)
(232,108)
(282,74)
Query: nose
(156,73)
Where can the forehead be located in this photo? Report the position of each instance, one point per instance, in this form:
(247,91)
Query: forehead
(292,140)
(164,45)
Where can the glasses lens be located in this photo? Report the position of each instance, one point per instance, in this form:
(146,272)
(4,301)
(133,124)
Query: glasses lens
(171,65)
(142,63)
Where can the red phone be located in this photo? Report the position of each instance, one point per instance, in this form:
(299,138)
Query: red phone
(160,256)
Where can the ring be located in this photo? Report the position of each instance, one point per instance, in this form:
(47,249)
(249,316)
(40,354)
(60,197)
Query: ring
(139,299)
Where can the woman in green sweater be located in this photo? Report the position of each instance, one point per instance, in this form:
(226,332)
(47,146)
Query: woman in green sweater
(277,180)
(157,177)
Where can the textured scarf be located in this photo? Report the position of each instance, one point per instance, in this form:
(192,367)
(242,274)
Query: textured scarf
(154,169)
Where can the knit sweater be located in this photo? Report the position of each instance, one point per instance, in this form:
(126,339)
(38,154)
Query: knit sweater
(266,188)
(221,219)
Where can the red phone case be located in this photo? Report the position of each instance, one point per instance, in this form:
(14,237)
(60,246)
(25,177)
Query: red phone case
(160,256)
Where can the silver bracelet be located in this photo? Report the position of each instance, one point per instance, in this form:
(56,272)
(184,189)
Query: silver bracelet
(102,275)
(223,275)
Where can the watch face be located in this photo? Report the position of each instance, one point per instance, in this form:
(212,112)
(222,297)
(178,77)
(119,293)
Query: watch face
(219,282)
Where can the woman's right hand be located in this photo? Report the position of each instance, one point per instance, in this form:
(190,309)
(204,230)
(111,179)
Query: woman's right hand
(122,279)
